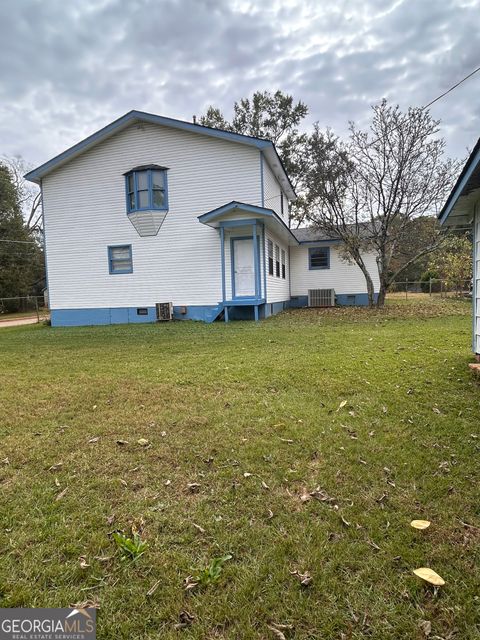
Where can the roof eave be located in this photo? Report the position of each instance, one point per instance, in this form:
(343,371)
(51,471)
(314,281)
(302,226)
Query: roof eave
(448,209)
(140,116)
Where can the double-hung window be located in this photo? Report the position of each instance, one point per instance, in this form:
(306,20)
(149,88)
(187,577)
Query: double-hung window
(120,259)
(146,189)
(270,257)
(284,270)
(319,258)
(277,261)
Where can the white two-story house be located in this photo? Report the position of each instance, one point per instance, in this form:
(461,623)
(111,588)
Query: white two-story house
(152,213)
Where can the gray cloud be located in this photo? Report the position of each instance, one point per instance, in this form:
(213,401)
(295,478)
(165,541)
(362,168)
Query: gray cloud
(69,68)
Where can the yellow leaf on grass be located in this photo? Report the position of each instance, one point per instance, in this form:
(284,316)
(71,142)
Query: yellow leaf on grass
(420,524)
(429,576)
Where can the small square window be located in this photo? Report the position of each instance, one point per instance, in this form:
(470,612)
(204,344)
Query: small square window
(319,258)
(142,311)
(120,259)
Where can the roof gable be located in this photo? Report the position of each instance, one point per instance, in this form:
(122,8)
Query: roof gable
(266,146)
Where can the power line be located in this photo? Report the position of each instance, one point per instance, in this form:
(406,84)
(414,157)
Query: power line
(429,104)
(442,95)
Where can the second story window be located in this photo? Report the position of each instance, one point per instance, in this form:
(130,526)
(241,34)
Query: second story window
(146,189)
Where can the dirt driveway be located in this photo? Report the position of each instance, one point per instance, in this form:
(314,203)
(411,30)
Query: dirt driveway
(19,321)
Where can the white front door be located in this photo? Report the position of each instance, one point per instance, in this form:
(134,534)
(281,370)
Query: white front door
(243,268)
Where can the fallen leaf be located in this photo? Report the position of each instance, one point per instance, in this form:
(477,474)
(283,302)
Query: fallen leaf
(247,475)
(270,514)
(429,576)
(265,486)
(420,524)
(167,483)
(345,522)
(305,579)
(86,604)
(426,627)
(61,494)
(305,497)
(103,558)
(5,461)
(55,467)
(342,404)
(153,588)
(276,632)
(189,583)
(124,483)
(193,487)
(57,482)
(93,440)
(143,442)
(122,442)
(83,562)
(185,619)
(163,434)
(111,519)
(287,440)
(198,527)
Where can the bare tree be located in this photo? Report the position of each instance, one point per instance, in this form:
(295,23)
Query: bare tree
(368,191)
(30,197)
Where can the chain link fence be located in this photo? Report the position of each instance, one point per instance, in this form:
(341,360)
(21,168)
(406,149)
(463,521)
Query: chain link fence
(433,287)
(24,307)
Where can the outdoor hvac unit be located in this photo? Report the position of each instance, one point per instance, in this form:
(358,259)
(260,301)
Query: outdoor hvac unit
(164,311)
(321,297)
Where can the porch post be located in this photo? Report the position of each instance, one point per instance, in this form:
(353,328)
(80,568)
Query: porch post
(255,258)
(222,247)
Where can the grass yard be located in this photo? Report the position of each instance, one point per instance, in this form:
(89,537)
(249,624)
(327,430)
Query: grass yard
(375,413)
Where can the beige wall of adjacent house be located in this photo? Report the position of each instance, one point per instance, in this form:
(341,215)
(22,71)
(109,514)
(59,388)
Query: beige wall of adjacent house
(343,276)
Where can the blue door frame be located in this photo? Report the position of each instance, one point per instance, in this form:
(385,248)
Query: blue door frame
(256,267)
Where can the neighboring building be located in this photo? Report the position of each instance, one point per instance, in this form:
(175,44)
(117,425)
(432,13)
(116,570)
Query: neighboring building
(462,212)
(153,210)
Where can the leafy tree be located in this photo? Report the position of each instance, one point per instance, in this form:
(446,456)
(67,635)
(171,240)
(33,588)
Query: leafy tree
(452,262)
(21,260)
(370,190)
(29,195)
(274,117)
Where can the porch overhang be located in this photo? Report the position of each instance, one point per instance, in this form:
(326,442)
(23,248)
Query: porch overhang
(237,214)
(459,209)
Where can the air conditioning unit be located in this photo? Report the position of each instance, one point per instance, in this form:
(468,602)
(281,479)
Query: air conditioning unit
(164,311)
(321,297)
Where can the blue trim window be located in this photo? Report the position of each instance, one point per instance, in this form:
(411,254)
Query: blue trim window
(120,259)
(277,261)
(146,189)
(319,258)
(270,257)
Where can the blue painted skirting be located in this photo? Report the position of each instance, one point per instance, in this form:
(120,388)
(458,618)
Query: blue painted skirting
(126,315)
(206,313)
(342,299)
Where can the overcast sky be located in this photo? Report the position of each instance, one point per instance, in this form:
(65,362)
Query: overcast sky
(70,67)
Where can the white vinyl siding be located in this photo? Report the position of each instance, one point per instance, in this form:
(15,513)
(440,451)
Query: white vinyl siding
(343,276)
(278,289)
(85,212)
(273,193)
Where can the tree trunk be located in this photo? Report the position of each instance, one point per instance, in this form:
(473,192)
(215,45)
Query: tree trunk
(381,295)
(369,281)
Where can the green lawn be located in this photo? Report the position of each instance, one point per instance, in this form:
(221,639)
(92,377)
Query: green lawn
(374,412)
